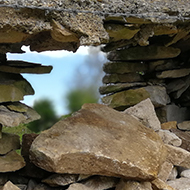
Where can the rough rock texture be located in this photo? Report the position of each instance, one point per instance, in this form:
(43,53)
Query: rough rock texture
(92,153)
(9,142)
(133,185)
(124,99)
(11,162)
(179,184)
(10,186)
(148,117)
(14,87)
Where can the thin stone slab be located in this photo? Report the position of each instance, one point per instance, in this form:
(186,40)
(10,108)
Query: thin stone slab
(127,98)
(11,162)
(112,88)
(14,87)
(158,184)
(60,179)
(144,53)
(124,67)
(81,144)
(177,73)
(9,142)
(185,125)
(122,78)
(14,118)
(24,67)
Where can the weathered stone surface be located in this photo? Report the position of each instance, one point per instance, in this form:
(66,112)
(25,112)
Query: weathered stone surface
(14,118)
(158,184)
(148,117)
(122,78)
(158,95)
(185,125)
(177,73)
(111,88)
(169,125)
(178,156)
(174,173)
(9,142)
(85,145)
(133,185)
(169,137)
(10,186)
(185,173)
(60,179)
(124,67)
(24,67)
(179,184)
(124,99)
(11,162)
(61,34)
(101,182)
(185,137)
(165,171)
(143,53)
(78,186)
(14,87)
(119,31)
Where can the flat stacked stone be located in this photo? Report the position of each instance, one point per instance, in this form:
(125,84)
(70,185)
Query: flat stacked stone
(13,88)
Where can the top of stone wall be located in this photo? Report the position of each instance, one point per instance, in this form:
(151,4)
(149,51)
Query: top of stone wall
(53,25)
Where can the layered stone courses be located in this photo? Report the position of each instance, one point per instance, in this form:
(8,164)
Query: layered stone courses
(148,51)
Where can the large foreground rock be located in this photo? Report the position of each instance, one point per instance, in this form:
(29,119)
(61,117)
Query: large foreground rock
(100,140)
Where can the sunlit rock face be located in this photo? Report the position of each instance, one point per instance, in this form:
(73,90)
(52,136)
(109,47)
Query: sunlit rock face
(100,140)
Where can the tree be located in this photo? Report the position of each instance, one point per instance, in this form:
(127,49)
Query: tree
(46,110)
(77,97)
(87,80)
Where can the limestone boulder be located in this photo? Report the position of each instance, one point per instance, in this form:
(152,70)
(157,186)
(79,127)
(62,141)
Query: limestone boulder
(10,186)
(148,117)
(165,171)
(169,137)
(185,137)
(144,53)
(9,142)
(179,184)
(81,144)
(178,156)
(11,162)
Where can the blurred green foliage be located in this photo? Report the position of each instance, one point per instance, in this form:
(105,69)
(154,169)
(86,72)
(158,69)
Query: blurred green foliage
(77,97)
(48,115)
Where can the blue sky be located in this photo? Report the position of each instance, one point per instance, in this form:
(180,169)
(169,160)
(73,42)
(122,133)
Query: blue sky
(55,85)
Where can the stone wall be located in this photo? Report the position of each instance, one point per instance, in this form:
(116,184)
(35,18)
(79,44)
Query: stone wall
(147,45)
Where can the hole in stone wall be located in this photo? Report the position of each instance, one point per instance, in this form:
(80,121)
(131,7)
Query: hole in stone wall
(71,71)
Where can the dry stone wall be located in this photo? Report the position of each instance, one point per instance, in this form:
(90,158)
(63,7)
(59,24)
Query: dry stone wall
(147,46)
